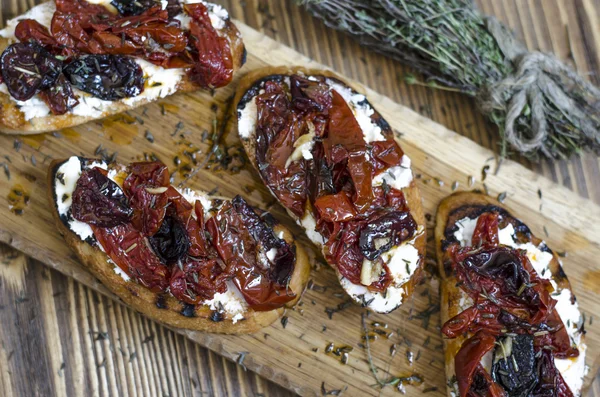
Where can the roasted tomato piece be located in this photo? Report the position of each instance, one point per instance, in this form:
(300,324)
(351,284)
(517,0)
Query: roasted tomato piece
(335,207)
(468,360)
(146,187)
(99,201)
(31,30)
(60,98)
(128,249)
(171,243)
(108,77)
(28,68)
(309,95)
(245,257)
(385,232)
(214,65)
(515,366)
(281,265)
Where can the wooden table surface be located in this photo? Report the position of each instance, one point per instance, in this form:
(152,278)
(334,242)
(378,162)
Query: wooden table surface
(58,337)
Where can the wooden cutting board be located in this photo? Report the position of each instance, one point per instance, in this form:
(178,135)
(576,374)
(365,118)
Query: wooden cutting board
(293,352)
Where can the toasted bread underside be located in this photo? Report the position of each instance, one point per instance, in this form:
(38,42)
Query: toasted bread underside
(411,192)
(165,308)
(12,120)
(451,294)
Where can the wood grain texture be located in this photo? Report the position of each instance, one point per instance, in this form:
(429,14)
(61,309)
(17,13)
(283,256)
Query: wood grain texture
(574,37)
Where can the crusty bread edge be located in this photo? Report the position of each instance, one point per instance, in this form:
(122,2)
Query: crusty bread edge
(450,294)
(411,193)
(12,120)
(145,301)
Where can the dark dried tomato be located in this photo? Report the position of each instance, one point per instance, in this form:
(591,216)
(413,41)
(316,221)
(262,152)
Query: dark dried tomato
(171,243)
(392,228)
(241,253)
(309,95)
(28,68)
(30,29)
(128,249)
(99,201)
(283,263)
(515,365)
(214,65)
(60,97)
(133,7)
(108,77)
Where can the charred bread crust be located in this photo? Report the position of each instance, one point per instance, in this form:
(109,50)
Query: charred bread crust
(12,120)
(165,308)
(247,89)
(452,209)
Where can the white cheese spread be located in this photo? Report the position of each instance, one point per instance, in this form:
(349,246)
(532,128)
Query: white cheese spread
(397,177)
(309,224)
(231,301)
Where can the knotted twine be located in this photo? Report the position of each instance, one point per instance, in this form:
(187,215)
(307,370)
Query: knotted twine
(538,82)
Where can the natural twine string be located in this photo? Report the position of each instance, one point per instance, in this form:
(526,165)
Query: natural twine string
(540,81)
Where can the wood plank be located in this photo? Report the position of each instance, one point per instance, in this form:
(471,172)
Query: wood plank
(51,324)
(453,111)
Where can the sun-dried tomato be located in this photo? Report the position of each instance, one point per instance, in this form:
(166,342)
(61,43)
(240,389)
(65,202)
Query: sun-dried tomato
(28,68)
(108,77)
(214,65)
(99,201)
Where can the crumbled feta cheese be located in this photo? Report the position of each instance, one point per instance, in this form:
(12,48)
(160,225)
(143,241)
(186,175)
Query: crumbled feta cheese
(378,302)
(69,172)
(466,228)
(160,82)
(271,254)
(247,119)
(309,224)
(397,177)
(402,261)
(231,301)
(118,270)
(538,258)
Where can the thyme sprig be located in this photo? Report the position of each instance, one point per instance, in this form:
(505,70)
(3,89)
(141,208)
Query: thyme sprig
(541,106)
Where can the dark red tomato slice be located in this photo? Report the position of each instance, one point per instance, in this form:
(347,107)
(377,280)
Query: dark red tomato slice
(146,187)
(335,207)
(240,252)
(214,67)
(128,249)
(468,359)
(486,230)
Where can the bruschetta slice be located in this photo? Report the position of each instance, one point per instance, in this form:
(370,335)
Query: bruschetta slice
(180,257)
(67,62)
(511,323)
(334,163)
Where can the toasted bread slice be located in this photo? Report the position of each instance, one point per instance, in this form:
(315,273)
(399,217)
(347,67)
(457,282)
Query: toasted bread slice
(15,120)
(455,220)
(228,313)
(380,302)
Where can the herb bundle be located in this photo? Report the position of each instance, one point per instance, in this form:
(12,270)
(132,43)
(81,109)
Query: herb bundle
(541,106)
